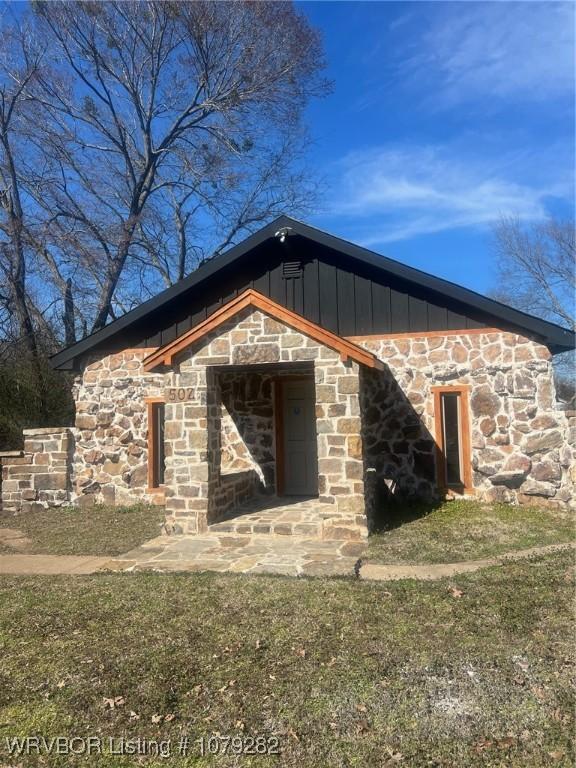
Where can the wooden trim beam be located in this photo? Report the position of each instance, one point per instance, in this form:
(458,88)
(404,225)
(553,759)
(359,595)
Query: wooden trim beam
(251,298)
(423,334)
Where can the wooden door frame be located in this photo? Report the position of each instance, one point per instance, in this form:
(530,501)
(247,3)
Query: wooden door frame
(279,425)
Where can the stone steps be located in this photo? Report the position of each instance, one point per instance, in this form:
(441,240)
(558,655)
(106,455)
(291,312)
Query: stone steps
(273,516)
(241,527)
(277,516)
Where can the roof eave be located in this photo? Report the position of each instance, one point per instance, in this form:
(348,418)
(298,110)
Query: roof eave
(556,338)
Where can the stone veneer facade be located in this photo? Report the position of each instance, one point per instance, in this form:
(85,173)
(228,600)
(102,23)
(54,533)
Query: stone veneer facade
(196,491)
(374,428)
(522,445)
(110,462)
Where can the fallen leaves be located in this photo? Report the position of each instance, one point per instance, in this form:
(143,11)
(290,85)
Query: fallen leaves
(362,727)
(505,743)
(112,703)
(156,719)
(539,693)
(455,592)
(483,744)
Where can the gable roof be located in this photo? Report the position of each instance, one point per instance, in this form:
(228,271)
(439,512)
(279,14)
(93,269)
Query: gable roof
(251,298)
(557,338)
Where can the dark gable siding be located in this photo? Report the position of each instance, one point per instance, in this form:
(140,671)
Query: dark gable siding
(344,296)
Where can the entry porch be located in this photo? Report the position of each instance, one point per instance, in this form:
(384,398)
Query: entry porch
(261,403)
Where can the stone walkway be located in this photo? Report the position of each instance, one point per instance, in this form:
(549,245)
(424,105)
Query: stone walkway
(255,553)
(233,553)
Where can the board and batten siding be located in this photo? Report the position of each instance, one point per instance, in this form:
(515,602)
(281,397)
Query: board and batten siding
(345,298)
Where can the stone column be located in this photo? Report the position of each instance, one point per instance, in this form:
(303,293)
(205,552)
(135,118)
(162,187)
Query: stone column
(187,467)
(340,450)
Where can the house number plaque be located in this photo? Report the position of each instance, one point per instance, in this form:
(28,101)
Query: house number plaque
(180,394)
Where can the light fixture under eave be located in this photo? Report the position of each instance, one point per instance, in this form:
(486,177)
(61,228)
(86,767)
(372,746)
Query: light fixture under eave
(283,233)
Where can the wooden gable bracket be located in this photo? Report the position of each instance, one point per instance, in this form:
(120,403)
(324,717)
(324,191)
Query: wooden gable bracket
(250,298)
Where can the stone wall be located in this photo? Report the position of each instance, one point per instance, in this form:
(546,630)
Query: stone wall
(111,456)
(193,429)
(521,443)
(247,424)
(220,444)
(39,476)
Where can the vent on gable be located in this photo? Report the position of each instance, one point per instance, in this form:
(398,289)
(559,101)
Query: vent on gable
(291,270)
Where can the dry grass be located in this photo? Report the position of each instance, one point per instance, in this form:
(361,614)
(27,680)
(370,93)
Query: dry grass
(99,530)
(343,672)
(467,530)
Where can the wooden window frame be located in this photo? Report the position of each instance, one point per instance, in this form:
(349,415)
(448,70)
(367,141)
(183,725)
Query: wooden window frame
(463,390)
(150,403)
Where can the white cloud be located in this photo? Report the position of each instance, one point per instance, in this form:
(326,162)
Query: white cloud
(492,49)
(396,194)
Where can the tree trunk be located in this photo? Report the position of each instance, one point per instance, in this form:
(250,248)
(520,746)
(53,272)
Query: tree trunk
(115,268)
(68,317)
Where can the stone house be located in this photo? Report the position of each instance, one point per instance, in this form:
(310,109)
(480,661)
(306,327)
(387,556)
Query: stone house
(301,365)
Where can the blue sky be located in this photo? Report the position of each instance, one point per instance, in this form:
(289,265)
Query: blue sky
(444,117)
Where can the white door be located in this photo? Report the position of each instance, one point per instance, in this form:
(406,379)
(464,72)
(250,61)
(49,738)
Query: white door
(300,451)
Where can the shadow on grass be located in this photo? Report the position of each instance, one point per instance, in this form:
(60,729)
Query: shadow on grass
(394,512)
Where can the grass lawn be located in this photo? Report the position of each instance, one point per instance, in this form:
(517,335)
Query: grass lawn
(341,672)
(467,530)
(100,530)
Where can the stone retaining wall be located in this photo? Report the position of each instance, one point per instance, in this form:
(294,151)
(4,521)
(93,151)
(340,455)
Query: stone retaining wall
(39,476)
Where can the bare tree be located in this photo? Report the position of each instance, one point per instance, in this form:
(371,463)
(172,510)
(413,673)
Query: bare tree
(136,140)
(19,68)
(537,272)
(162,121)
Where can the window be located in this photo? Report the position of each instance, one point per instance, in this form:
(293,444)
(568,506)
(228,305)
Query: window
(156,453)
(452,438)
